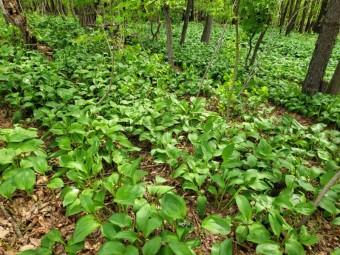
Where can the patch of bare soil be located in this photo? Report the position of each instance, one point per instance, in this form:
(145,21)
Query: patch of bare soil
(328,234)
(25,218)
(5,118)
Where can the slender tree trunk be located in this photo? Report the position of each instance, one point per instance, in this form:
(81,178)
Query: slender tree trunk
(87,14)
(293,18)
(168,28)
(13,15)
(186,21)
(291,10)
(310,16)
(237,41)
(283,14)
(207,29)
(192,14)
(250,44)
(334,86)
(323,49)
(257,47)
(322,13)
(156,33)
(303,17)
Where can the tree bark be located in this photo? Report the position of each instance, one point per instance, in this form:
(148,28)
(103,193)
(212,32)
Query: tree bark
(192,14)
(87,14)
(155,33)
(168,28)
(334,86)
(291,9)
(310,16)
(292,19)
(283,15)
(257,47)
(237,42)
(303,17)
(323,49)
(13,14)
(186,21)
(207,29)
(322,13)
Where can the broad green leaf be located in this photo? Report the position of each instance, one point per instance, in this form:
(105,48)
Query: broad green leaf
(268,249)
(112,248)
(293,247)
(84,227)
(275,222)
(217,225)
(306,238)
(258,233)
(152,246)
(127,194)
(121,220)
(109,230)
(7,188)
(7,156)
(336,221)
(241,233)
(70,194)
(52,237)
(127,235)
(173,206)
(24,178)
(131,250)
(180,248)
(38,163)
(56,183)
(244,207)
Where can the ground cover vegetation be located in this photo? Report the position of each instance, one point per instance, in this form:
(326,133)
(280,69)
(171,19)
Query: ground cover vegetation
(169,127)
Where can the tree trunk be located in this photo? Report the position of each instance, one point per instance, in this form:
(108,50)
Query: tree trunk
(186,21)
(87,14)
(291,10)
(322,13)
(13,14)
(192,14)
(323,49)
(310,16)
(283,15)
(303,17)
(168,28)
(292,19)
(156,33)
(237,42)
(257,47)
(334,86)
(250,44)
(207,29)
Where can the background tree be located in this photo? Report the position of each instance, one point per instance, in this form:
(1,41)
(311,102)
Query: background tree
(334,86)
(330,28)
(12,12)
(293,17)
(188,11)
(256,16)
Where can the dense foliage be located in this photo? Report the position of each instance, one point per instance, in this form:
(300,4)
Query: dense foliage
(234,170)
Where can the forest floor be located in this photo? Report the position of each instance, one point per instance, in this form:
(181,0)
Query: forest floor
(26,218)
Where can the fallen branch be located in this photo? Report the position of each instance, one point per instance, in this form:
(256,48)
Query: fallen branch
(323,192)
(14,224)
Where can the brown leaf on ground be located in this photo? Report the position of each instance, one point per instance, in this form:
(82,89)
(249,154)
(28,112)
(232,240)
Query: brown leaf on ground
(35,215)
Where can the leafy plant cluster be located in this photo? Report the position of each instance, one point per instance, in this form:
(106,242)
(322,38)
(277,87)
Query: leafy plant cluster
(248,181)
(281,67)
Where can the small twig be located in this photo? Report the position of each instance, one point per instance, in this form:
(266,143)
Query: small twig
(323,192)
(14,224)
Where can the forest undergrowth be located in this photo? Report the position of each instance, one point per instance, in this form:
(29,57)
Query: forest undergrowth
(120,154)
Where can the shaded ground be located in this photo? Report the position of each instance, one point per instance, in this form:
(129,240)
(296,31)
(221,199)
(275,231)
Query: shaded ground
(27,217)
